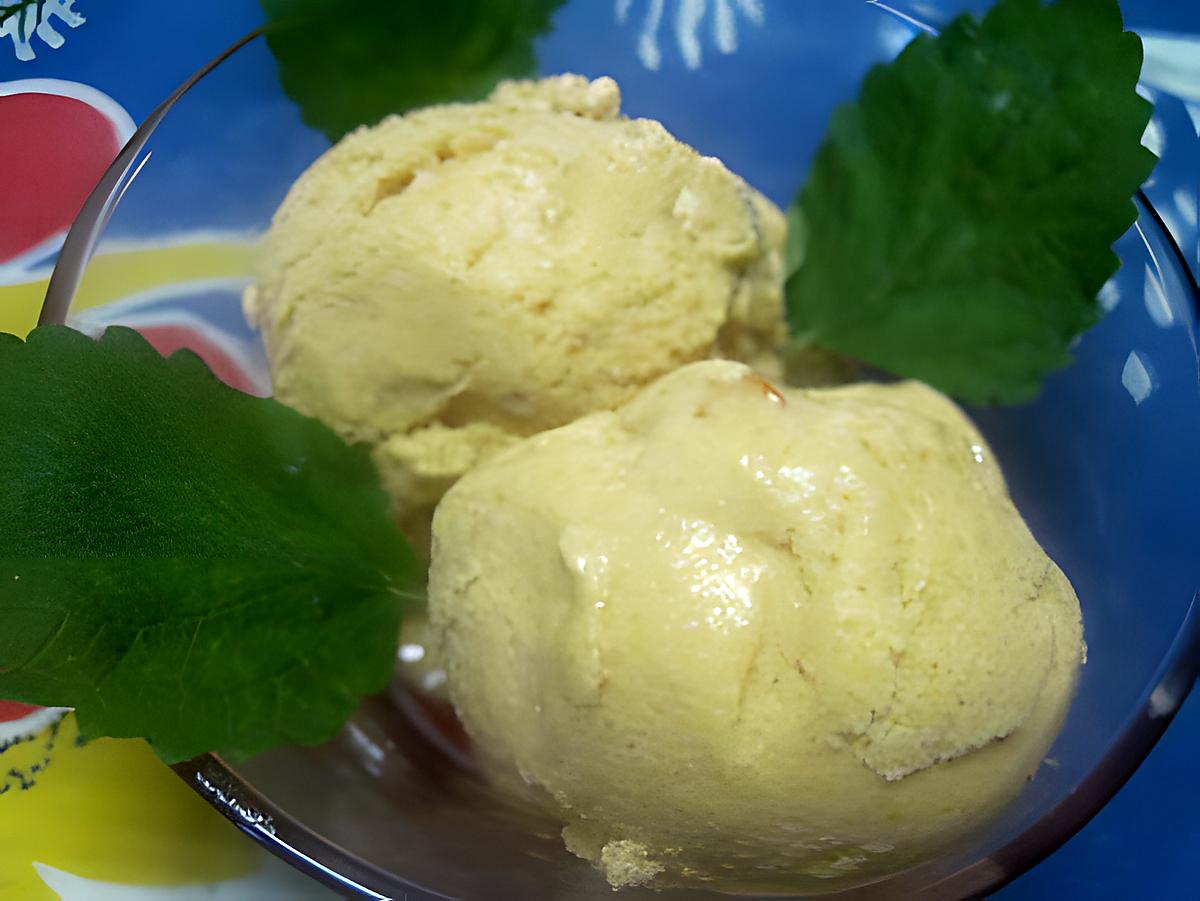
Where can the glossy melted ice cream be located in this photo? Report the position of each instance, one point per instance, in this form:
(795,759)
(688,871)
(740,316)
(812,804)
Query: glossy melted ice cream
(733,634)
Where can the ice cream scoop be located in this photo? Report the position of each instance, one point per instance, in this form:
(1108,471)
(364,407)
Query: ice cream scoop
(742,637)
(449,281)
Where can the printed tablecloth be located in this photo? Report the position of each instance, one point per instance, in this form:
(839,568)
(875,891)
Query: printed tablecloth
(106,820)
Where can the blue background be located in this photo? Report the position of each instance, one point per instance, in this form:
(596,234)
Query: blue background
(1146,843)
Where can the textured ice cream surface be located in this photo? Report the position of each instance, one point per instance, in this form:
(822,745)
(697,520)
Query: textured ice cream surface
(739,636)
(448,281)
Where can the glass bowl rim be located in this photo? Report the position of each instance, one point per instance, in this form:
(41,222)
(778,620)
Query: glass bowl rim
(220,784)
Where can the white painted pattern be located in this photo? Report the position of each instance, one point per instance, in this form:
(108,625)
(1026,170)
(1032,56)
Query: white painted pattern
(274,881)
(23,26)
(1110,295)
(688,19)
(29,725)
(1172,62)
(1138,377)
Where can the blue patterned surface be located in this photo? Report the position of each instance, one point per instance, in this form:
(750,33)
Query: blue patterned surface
(1146,843)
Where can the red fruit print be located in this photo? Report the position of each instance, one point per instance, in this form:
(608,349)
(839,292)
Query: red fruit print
(57,138)
(11,710)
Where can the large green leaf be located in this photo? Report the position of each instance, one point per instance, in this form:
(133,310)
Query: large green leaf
(960,215)
(182,562)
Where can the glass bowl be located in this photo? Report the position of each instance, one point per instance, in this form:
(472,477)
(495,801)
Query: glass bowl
(1102,465)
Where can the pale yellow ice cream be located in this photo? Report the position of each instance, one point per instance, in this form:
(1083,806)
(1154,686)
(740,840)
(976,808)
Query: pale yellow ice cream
(448,281)
(742,638)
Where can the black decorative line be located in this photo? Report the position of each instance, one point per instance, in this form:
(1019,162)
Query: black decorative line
(13,742)
(26,779)
(53,731)
(23,782)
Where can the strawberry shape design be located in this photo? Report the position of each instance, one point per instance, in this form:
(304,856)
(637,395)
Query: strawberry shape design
(58,138)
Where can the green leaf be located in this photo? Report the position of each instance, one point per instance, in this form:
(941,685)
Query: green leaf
(961,213)
(182,562)
(347,67)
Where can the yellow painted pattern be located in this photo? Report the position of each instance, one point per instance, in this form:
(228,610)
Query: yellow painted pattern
(115,275)
(110,811)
